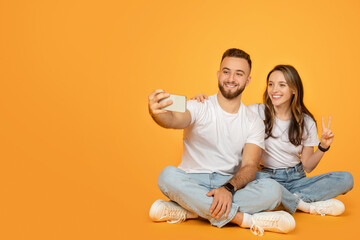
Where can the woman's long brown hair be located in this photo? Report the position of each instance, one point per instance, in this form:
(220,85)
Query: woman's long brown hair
(298,108)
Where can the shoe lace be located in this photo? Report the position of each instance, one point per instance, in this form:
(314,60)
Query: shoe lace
(257,230)
(267,222)
(175,215)
(321,210)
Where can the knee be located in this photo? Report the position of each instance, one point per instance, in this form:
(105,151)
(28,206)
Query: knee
(347,179)
(272,190)
(166,176)
(171,182)
(172,179)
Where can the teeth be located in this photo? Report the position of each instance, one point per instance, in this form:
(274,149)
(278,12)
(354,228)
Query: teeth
(276,96)
(230,86)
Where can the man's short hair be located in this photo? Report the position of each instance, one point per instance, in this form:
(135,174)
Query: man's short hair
(234,52)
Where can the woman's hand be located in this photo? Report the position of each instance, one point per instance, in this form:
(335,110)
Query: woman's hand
(327,136)
(200,97)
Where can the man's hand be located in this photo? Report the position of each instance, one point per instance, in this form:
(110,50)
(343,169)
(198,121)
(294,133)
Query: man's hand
(167,119)
(221,202)
(155,107)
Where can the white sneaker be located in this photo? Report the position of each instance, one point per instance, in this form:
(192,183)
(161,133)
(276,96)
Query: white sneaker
(279,221)
(167,211)
(328,207)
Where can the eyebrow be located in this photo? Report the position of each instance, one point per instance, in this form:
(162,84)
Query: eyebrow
(279,82)
(237,70)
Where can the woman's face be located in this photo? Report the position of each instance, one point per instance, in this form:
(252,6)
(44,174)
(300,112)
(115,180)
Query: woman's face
(278,90)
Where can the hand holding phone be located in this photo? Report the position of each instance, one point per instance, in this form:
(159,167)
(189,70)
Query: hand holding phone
(178,105)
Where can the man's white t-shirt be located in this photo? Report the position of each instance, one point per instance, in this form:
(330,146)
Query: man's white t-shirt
(215,139)
(279,151)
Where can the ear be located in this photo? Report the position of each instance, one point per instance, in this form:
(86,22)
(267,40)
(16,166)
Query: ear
(248,80)
(218,74)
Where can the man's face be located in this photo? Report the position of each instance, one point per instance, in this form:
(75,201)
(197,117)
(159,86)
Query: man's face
(233,76)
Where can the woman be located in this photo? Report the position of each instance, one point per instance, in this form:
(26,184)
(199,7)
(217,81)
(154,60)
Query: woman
(291,135)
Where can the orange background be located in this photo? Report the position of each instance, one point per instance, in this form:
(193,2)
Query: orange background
(79,153)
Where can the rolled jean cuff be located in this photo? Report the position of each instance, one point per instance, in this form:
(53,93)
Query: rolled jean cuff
(223,221)
(292,209)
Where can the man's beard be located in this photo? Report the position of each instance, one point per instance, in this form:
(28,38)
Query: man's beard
(229,95)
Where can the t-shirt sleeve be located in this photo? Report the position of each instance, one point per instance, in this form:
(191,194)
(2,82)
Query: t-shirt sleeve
(254,108)
(312,138)
(258,109)
(196,109)
(257,133)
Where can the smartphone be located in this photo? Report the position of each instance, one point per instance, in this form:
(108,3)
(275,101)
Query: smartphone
(178,105)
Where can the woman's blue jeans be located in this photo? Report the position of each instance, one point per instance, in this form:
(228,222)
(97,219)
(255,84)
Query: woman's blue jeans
(296,186)
(189,191)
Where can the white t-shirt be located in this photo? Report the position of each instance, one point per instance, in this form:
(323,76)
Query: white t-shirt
(215,139)
(279,151)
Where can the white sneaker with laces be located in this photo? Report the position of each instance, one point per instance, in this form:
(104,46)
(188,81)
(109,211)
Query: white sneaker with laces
(167,211)
(332,207)
(279,221)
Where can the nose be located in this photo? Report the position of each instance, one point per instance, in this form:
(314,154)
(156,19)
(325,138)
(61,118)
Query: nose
(274,88)
(231,77)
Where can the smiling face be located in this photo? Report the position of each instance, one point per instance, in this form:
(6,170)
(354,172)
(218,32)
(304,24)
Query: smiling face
(233,76)
(278,90)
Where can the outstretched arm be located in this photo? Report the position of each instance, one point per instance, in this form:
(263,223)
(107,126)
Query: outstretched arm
(164,118)
(311,159)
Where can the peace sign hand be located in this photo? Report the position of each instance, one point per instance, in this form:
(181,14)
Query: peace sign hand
(327,136)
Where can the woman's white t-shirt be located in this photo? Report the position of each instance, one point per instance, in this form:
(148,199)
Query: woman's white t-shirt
(279,151)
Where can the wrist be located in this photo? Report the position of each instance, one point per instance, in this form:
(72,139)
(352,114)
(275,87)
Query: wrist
(228,186)
(323,145)
(322,148)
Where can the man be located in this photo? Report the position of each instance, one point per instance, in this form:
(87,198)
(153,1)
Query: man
(223,142)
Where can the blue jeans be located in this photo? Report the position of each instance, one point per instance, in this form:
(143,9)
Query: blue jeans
(296,186)
(189,191)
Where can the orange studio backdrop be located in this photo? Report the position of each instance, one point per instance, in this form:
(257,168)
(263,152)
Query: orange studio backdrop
(79,153)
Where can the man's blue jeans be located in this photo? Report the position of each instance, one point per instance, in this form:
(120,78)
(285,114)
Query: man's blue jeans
(295,185)
(189,191)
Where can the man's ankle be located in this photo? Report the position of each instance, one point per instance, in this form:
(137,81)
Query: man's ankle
(238,219)
(191,215)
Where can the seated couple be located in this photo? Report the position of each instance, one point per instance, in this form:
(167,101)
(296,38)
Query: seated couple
(224,142)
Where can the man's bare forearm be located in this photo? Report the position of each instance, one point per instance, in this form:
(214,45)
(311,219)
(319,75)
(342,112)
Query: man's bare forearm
(245,175)
(164,120)
(173,120)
